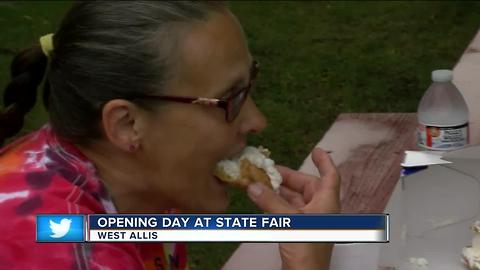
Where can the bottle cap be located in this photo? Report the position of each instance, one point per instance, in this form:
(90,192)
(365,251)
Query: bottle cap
(442,75)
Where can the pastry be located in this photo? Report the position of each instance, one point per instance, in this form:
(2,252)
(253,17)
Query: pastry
(251,165)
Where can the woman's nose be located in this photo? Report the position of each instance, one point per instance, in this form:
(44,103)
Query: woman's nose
(252,119)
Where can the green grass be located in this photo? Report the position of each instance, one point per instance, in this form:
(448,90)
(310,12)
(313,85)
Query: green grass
(318,59)
(21,25)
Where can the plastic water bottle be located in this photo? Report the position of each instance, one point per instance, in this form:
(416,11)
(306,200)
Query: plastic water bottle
(442,115)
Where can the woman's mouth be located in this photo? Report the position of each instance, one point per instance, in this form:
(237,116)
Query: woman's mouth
(220,182)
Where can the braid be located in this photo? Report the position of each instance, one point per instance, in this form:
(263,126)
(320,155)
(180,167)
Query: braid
(27,72)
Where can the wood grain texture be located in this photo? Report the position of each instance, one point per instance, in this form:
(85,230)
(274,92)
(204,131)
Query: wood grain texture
(370,171)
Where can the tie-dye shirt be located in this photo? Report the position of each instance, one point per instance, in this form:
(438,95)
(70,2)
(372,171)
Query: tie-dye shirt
(43,174)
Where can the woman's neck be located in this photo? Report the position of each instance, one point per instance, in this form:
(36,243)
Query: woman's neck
(122,175)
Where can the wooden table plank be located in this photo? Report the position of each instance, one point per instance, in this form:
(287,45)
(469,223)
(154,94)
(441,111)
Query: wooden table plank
(367,149)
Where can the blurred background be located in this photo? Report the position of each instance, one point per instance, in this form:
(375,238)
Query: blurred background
(318,59)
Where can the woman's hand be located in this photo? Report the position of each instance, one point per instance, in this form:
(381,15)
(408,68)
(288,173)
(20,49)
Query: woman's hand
(302,193)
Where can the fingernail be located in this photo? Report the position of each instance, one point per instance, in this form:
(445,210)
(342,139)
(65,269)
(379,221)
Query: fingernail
(255,189)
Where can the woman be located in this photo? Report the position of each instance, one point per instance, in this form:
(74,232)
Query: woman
(122,139)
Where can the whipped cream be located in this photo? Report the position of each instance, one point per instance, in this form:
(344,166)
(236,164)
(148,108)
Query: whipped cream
(257,157)
(231,168)
(419,263)
(471,255)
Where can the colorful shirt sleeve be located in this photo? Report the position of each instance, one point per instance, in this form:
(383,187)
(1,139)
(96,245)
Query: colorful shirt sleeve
(40,174)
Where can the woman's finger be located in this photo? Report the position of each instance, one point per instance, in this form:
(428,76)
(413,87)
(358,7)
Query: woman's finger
(292,197)
(311,189)
(295,180)
(329,176)
(269,201)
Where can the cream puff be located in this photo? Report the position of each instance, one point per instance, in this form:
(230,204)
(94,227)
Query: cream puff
(251,165)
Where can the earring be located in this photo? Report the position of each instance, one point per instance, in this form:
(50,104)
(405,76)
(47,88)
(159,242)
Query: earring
(132,148)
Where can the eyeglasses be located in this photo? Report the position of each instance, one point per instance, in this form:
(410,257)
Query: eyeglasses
(232,104)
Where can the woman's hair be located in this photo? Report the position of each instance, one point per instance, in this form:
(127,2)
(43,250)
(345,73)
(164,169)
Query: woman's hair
(103,50)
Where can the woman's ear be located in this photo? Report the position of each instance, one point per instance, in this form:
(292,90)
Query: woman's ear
(121,121)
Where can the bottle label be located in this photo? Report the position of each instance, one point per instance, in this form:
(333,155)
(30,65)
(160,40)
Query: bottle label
(442,138)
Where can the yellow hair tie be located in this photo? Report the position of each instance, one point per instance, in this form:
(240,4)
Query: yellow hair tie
(46,43)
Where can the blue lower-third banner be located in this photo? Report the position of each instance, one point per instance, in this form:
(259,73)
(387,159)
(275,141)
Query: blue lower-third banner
(238,228)
(213,228)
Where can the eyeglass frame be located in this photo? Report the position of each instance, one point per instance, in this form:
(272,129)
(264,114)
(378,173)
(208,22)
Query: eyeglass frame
(226,103)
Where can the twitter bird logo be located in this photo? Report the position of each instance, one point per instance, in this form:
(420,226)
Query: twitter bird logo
(61,229)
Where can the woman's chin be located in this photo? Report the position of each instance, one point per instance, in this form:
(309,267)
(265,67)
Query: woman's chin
(212,207)
(217,200)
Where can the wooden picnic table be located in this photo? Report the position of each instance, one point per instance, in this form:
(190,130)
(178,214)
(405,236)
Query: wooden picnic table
(367,149)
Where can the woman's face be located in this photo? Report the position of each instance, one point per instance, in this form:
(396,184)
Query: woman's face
(183,142)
